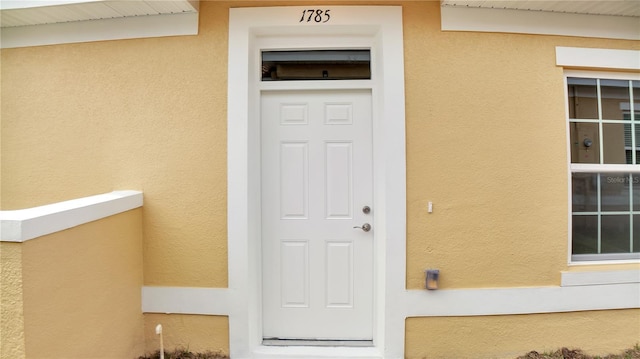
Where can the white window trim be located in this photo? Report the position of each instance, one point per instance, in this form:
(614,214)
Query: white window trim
(595,58)
(591,58)
(570,279)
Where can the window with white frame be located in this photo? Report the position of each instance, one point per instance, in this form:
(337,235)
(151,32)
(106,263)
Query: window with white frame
(604,134)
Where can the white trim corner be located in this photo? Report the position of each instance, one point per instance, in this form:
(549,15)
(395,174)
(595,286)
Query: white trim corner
(25,224)
(592,58)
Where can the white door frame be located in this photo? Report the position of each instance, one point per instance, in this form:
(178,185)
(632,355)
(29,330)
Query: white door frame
(252,29)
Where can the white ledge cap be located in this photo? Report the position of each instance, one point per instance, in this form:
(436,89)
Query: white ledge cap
(24,224)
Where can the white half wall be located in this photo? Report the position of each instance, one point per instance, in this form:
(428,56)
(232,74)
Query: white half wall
(24,224)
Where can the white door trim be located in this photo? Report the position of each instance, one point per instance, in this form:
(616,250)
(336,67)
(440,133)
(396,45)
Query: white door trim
(377,27)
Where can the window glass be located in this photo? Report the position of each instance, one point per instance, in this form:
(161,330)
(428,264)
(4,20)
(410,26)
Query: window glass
(585,142)
(585,234)
(636,234)
(615,191)
(614,137)
(584,192)
(628,142)
(635,180)
(316,65)
(583,98)
(615,234)
(614,98)
(604,135)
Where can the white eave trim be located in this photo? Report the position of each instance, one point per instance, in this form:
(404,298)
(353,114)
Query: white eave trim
(100,30)
(26,4)
(539,22)
(606,59)
(22,225)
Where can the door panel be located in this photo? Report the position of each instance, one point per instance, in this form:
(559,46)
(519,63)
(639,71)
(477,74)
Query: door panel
(316,178)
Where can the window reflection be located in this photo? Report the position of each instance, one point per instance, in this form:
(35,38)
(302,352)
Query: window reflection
(635,179)
(636,233)
(584,192)
(585,234)
(615,191)
(583,98)
(316,65)
(604,129)
(585,142)
(615,137)
(614,96)
(605,121)
(615,234)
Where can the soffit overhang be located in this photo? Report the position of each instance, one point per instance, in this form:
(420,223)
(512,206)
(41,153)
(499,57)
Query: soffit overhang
(600,7)
(32,13)
(26,23)
(608,19)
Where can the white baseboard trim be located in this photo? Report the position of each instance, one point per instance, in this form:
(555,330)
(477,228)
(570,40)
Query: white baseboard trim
(185,300)
(512,301)
(24,224)
(423,303)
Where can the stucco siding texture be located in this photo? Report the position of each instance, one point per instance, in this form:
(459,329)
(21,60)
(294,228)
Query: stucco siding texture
(11,309)
(507,337)
(486,143)
(82,290)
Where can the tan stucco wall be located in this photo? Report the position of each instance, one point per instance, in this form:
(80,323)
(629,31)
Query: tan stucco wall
(594,332)
(486,143)
(81,290)
(198,333)
(146,114)
(11,309)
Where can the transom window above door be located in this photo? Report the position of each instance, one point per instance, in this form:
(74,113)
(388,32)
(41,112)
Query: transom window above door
(316,65)
(604,134)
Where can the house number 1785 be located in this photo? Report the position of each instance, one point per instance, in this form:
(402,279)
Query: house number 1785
(315,15)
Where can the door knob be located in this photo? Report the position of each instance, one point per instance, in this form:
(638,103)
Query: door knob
(365,227)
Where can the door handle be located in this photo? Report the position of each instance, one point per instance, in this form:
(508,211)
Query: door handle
(365,227)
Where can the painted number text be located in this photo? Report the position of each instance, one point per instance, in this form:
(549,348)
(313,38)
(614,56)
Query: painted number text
(315,15)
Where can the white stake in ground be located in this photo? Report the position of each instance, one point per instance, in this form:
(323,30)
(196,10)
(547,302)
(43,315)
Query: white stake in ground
(159,332)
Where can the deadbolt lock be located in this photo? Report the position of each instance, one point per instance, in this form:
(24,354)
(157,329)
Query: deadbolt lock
(366,209)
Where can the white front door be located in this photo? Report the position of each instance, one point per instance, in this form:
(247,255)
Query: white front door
(316,182)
